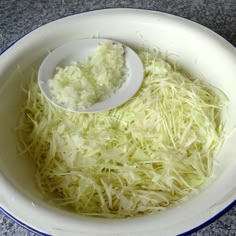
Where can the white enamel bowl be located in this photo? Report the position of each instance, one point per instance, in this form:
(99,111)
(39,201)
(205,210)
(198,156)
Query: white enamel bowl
(198,49)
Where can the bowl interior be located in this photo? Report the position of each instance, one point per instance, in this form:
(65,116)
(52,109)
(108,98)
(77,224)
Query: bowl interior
(201,52)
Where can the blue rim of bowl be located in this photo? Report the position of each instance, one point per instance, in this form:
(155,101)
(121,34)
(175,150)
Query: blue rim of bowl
(23,225)
(193,230)
(187,233)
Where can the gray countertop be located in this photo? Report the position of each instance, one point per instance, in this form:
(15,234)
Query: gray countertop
(18,17)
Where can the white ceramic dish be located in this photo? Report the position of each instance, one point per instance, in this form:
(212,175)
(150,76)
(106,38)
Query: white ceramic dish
(198,49)
(78,50)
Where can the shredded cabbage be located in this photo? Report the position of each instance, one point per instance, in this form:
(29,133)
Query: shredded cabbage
(82,84)
(136,159)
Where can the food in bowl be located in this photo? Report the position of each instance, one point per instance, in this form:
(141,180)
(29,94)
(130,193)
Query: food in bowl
(81,84)
(136,159)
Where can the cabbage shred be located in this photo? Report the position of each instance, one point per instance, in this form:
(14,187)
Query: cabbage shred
(136,159)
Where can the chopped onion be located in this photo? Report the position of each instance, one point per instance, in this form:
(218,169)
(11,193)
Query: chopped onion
(82,84)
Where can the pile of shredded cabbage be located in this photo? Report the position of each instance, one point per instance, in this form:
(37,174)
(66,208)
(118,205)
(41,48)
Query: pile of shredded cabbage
(82,84)
(136,159)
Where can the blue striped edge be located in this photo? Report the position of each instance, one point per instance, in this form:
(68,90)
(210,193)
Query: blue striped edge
(11,44)
(22,224)
(187,233)
(211,220)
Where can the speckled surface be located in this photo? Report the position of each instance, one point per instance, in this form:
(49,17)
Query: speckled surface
(18,17)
